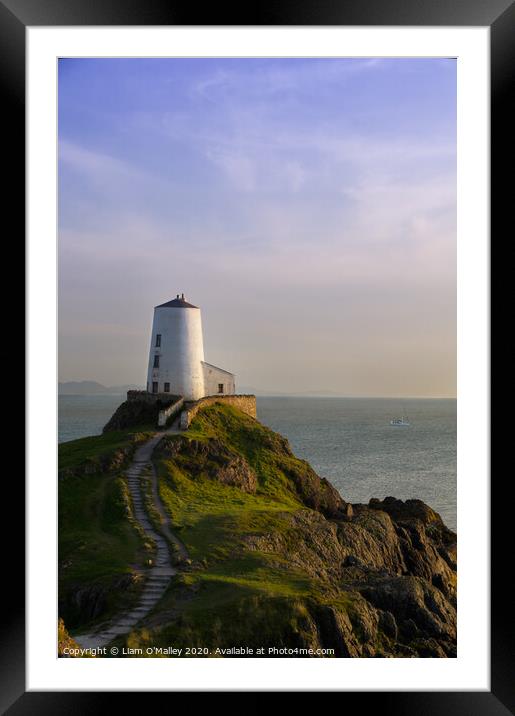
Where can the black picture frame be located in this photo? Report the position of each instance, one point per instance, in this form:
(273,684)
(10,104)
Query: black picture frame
(15,16)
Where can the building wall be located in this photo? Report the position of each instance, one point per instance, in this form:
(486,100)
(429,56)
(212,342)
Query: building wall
(214,377)
(180,354)
(245,403)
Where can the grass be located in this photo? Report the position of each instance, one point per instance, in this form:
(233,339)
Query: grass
(99,543)
(234,594)
(95,536)
(265,568)
(75,453)
(233,615)
(212,517)
(255,573)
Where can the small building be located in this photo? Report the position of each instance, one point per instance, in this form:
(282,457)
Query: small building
(176,362)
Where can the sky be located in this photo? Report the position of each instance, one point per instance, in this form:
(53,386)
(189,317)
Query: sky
(308,206)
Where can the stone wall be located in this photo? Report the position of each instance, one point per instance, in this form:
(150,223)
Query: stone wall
(245,403)
(145,396)
(169,412)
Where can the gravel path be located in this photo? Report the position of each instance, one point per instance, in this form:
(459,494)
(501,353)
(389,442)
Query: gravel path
(159,575)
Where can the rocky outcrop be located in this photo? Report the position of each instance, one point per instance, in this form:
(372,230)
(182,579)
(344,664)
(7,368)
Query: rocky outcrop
(402,590)
(105,463)
(67,647)
(210,458)
(137,413)
(214,458)
(314,491)
(386,570)
(85,603)
(427,545)
(280,559)
(421,616)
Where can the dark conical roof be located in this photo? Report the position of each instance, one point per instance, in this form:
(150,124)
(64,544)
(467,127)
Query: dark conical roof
(178,302)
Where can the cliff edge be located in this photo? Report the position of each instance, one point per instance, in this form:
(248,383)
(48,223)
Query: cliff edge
(279,560)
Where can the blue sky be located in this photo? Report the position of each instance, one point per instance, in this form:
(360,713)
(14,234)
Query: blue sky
(307,205)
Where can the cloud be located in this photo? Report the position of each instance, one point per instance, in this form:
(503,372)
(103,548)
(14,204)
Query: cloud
(239,169)
(264,81)
(97,166)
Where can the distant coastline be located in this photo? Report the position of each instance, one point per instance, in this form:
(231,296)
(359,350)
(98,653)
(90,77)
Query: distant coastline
(92,387)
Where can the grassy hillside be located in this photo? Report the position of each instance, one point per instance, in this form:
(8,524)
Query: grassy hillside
(278,558)
(97,451)
(266,537)
(100,546)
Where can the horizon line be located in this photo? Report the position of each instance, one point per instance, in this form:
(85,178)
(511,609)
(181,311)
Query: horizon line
(264,393)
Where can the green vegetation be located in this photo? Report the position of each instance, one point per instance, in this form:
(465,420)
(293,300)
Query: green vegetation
(212,517)
(99,544)
(278,558)
(98,449)
(235,592)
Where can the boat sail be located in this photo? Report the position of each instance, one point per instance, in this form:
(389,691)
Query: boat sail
(401,422)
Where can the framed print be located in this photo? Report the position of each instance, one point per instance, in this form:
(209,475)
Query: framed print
(258,264)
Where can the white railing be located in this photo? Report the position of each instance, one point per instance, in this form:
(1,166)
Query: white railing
(168,412)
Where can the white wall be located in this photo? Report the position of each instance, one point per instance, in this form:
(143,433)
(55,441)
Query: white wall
(213,376)
(181,352)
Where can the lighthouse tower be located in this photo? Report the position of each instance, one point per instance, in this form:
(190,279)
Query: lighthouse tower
(176,358)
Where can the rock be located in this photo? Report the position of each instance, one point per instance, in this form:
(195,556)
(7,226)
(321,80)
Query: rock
(307,568)
(108,462)
(353,561)
(211,458)
(365,621)
(67,647)
(388,625)
(83,604)
(419,608)
(236,472)
(372,538)
(314,491)
(399,603)
(133,413)
(409,630)
(427,546)
(336,631)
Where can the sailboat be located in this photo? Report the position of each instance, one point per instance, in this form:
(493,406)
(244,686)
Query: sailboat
(400,422)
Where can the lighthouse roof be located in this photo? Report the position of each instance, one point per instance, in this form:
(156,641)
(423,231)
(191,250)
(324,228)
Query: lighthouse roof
(178,302)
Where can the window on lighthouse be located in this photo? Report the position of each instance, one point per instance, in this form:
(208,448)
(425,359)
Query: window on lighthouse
(167,388)
(156,361)
(158,340)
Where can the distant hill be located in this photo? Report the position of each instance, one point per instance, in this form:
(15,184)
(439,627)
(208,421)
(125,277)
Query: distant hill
(91,387)
(271,393)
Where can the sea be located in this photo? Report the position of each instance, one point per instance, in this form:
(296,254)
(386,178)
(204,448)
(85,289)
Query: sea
(347,440)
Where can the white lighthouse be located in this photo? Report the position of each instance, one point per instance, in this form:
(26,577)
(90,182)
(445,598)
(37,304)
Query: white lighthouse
(176,358)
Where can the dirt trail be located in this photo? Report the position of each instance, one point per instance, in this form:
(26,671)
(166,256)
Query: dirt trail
(162,570)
